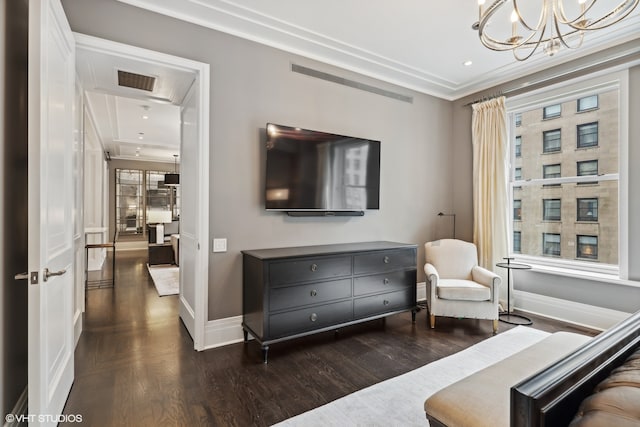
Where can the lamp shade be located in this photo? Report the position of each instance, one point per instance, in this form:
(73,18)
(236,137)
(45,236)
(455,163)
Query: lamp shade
(172,179)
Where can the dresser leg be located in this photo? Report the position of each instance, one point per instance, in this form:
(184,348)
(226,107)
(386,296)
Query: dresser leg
(246,335)
(265,353)
(413,315)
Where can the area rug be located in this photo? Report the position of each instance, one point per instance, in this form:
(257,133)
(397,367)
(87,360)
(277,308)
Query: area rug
(399,401)
(166,278)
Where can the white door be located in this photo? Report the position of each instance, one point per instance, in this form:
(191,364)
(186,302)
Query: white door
(50,222)
(189,212)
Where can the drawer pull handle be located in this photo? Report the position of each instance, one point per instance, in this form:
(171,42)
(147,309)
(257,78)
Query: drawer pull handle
(385,302)
(386,260)
(385,281)
(313,317)
(314,267)
(314,293)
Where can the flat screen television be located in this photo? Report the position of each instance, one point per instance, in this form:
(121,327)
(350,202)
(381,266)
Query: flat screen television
(310,171)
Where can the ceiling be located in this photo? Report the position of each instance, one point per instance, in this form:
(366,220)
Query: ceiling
(133,124)
(417,44)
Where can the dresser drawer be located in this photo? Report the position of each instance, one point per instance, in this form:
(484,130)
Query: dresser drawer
(309,269)
(383,303)
(385,282)
(384,261)
(313,293)
(307,319)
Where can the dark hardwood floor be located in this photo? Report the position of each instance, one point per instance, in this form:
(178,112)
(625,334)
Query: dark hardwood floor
(135,364)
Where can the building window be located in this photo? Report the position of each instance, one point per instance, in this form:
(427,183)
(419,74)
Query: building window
(518,146)
(551,141)
(588,167)
(587,247)
(516,241)
(551,244)
(588,209)
(518,119)
(563,212)
(551,210)
(588,135)
(552,111)
(588,103)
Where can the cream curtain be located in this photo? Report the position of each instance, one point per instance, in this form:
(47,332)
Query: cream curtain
(490,194)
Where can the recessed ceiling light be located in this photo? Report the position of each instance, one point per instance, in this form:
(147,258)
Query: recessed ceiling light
(467,63)
(145,117)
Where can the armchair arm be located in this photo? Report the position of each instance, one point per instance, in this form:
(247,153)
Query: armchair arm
(432,280)
(486,278)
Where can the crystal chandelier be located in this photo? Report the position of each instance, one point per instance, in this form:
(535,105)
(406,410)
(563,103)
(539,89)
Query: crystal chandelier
(553,23)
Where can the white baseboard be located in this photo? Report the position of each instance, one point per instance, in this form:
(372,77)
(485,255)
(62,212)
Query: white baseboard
(421,291)
(20,408)
(223,332)
(568,311)
(188,316)
(77,326)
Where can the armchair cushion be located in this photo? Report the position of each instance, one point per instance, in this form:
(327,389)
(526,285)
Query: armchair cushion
(462,290)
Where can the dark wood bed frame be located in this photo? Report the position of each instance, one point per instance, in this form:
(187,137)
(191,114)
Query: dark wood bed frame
(552,396)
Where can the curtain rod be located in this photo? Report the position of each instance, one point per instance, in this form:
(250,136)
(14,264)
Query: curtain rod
(486,98)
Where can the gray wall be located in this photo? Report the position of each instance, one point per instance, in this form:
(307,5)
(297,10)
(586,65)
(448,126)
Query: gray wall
(600,294)
(251,85)
(13,195)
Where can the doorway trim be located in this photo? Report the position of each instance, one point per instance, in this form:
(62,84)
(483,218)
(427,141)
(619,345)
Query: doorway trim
(201,70)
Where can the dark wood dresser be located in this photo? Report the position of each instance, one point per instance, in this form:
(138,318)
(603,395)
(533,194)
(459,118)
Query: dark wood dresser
(293,292)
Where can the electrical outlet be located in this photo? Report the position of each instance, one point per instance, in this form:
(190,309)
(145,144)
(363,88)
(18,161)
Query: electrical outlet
(219,245)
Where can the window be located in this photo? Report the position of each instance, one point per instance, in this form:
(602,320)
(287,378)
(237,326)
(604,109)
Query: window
(551,141)
(518,146)
(551,209)
(587,247)
(588,167)
(588,135)
(551,171)
(552,111)
(129,201)
(588,103)
(549,217)
(518,118)
(588,209)
(516,241)
(551,244)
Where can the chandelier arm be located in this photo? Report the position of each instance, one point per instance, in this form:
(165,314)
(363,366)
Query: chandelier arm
(500,46)
(541,19)
(530,45)
(488,13)
(622,11)
(562,17)
(562,37)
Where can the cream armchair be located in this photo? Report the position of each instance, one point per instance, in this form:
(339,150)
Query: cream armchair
(456,285)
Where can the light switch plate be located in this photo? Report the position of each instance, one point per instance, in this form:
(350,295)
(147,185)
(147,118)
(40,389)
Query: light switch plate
(219,245)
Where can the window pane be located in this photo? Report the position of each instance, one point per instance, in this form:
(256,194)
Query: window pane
(551,244)
(587,210)
(551,209)
(587,247)
(516,241)
(518,174)
(588,135)
(552,111)
(588,103)
(589,167)
(551,141)
(518,119)
(518,146)
(551,171)
(517,210)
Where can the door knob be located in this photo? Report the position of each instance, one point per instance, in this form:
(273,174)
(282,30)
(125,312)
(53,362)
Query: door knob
(48,273)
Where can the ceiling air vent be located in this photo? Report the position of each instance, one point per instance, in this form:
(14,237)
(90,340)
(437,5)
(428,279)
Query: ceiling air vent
(136,81)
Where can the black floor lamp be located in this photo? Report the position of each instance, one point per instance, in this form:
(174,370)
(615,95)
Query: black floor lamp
(454,221)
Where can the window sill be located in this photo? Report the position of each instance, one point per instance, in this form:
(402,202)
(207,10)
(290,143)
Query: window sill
(581,274)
